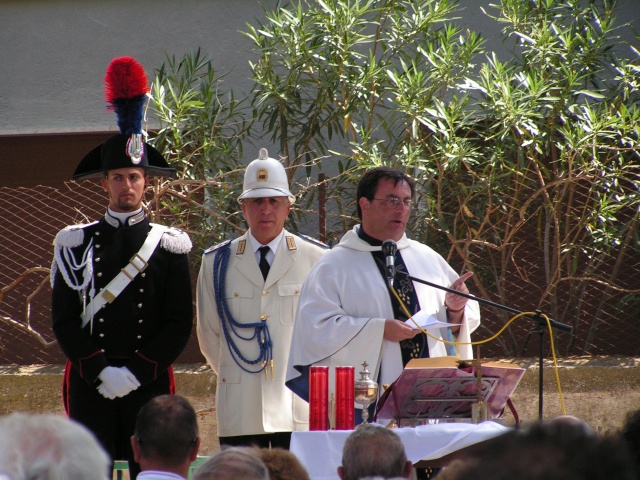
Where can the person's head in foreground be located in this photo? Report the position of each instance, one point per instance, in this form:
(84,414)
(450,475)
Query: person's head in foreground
(166,436)
(49,447)
(556,449)
(232,463)
(372,451)
(282,464)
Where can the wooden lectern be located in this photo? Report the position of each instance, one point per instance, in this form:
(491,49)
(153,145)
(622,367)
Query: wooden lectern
(443,389)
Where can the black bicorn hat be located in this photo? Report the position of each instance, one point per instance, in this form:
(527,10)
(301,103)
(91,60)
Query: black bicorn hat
(126,90)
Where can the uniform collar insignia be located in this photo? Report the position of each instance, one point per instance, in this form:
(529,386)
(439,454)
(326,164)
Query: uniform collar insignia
(132,220)
(137,218)
(241,246)
(291,243)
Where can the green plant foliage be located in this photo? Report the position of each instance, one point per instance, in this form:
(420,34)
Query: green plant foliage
(559,142)
(356,79)
(201,130)
(527,166)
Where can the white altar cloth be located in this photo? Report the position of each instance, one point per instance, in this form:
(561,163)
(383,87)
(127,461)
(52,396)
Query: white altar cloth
(321,451)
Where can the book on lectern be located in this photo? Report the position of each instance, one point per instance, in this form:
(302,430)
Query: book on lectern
(446,389)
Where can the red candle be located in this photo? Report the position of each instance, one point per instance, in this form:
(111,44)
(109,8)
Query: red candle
(318,398)
(345,393)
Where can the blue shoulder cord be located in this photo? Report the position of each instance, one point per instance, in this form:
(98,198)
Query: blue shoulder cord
(230,326)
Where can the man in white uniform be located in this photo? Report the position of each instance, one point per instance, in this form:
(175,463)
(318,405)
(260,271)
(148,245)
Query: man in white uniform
(348,315)
(247,296)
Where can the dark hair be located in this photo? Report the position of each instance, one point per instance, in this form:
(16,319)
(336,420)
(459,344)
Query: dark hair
(549,450)
(368,185)
(167,428)
(630,434)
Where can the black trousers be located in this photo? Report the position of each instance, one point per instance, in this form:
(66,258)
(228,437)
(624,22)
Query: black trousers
(111,421)
(266,440)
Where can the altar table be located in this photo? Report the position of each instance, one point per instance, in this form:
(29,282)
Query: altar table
(321,451)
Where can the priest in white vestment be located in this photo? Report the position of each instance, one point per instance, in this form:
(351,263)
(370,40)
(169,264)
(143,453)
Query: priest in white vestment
(347,314)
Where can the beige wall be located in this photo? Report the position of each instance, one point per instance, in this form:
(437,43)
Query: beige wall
(53,53)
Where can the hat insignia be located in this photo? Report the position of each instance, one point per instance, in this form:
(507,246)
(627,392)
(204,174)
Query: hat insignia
(135,148)
(263,175)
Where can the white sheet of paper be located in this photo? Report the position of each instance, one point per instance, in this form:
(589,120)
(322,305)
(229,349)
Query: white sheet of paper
(428,321)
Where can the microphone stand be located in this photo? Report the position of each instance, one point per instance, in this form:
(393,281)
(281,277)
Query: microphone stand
(539,326)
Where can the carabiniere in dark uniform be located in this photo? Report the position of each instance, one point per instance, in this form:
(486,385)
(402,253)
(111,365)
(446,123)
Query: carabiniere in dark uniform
(122,300)
(145,328)
(148,324)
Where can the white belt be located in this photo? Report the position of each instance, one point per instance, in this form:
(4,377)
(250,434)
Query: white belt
(136,265)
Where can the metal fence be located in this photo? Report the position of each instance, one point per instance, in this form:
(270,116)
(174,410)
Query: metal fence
(609,322)
(29,220)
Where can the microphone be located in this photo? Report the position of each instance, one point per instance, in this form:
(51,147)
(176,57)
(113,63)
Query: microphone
(389,248)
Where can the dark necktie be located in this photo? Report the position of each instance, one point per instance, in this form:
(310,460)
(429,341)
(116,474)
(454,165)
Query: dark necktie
(264,265)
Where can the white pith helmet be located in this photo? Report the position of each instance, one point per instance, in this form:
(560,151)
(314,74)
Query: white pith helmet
(265,177)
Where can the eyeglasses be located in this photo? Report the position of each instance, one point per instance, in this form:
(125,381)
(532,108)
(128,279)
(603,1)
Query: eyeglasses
(394,202)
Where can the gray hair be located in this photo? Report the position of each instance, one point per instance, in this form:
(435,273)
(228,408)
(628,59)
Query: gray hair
(49,447)
(372,451)
(233,463)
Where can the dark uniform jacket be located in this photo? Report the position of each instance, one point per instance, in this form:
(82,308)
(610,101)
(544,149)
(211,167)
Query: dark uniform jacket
(148,325)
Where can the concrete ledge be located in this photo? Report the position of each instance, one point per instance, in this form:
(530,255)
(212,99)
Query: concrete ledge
(600,390)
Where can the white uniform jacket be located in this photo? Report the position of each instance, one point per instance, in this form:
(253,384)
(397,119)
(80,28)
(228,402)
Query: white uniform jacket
(255,403)
(344,304)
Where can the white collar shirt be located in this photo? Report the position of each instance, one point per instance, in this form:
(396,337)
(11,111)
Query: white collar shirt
(273,247)
(158,475)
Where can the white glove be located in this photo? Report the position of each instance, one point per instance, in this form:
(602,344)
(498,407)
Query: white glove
(117,382)
(105,393)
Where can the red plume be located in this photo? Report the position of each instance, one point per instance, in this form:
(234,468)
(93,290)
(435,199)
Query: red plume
(125,78)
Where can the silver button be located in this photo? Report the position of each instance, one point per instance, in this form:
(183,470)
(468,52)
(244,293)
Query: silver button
(139,305)
(98,246)
(139,337)
(97,234)
(97,259)
(99,274)
(143,275)
(141,290)
(102,334)
(140,321)
(101,320)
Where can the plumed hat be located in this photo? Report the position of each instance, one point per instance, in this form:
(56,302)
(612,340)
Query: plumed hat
(265,177)
(126,90)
